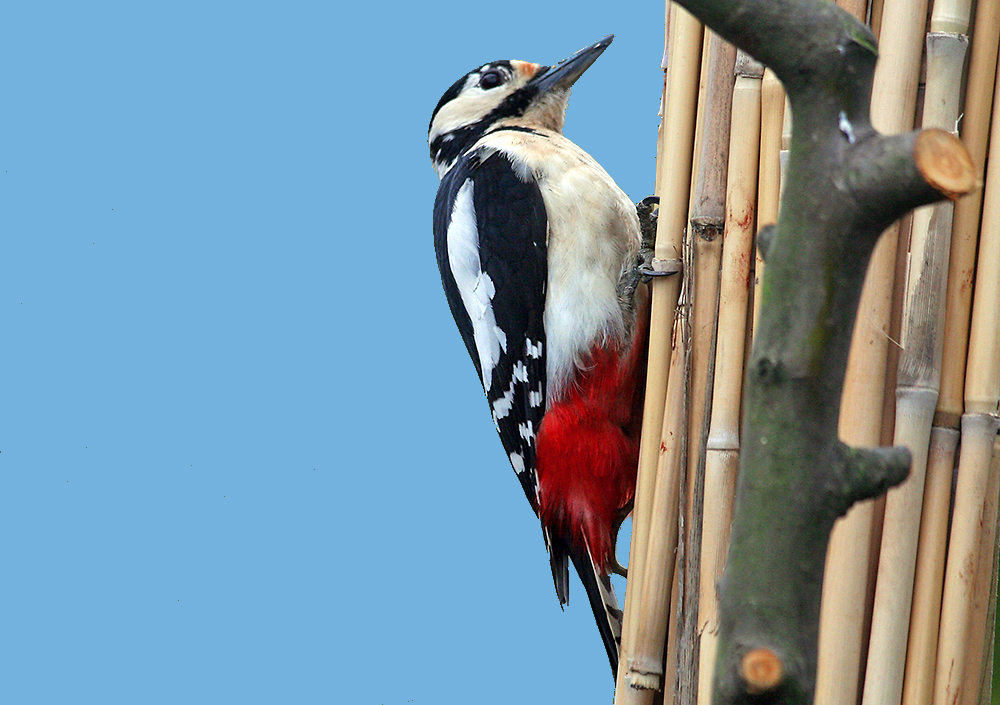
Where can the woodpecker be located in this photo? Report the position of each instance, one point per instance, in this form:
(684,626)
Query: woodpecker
(538,249)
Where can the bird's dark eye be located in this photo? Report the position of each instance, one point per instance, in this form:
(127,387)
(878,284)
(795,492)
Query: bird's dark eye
(490,79)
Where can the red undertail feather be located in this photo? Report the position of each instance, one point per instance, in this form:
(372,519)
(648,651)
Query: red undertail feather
(588,449)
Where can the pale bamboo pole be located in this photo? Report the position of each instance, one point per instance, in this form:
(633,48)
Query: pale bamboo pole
(979,429)
(975,130)
(845,587)
(707,223)
(772,112)
(646,669)
(722,454)
(706,226)
(875,17)
(919,377)
(857,8)
(670,675)
(893,103)
(978,434)
(921,653)
(977,681)
(674,166)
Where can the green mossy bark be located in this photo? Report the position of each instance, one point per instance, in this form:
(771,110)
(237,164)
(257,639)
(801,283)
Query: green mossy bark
(845,184)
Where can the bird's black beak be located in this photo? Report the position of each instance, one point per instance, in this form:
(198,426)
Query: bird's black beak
(564,74)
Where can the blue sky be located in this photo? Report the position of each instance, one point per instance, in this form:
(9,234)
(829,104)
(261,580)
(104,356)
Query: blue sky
(243,454)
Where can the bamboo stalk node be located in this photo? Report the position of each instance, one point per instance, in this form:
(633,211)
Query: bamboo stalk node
(944,162)
(947,419)
(747,66)
(707,227)
(762,671)
(644,674)
(660,267)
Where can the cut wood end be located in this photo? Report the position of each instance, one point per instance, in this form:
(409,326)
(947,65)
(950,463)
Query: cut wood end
(944,162)
(762,671)
(644,681)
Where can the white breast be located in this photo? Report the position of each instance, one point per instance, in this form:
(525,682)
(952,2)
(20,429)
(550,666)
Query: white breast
(593,235)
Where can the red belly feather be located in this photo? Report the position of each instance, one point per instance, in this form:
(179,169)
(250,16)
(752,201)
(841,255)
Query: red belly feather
(588,448)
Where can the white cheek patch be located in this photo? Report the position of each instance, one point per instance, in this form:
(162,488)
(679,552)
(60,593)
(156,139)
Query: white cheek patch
(470,105)
(474,285)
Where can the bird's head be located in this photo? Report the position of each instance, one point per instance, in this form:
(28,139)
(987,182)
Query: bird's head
(516,92)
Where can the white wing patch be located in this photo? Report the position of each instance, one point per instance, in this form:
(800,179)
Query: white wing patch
(535,398)
(474,285)
(502,406)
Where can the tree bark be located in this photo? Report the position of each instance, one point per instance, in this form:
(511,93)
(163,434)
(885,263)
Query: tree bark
(846,184)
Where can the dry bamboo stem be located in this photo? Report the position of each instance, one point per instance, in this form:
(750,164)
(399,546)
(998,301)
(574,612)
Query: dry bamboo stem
(680,93)
(918,684)
(978,434)
(707,221)
(772,104)
(670,669)
(979,428)
(722,454)
(844,605)
(645,669)
(975,130)
(858,8)
(920,361)
(977,681)
(842,613)
(893,103)
(875,17)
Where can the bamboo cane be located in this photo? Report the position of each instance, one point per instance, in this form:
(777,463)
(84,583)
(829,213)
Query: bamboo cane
(669,691)
(977,681)
(722,455)
(707,213)
(978,434)
(894,97)
(645,670)
(857,8)
(979,428)
(875,16)
(707,221)
(918,683)
(674,166)
(845,599)
(975,130)
(772,104)
(920,361)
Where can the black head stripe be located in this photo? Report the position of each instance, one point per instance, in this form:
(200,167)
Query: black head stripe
(456,87)
(449,95)
(448,147)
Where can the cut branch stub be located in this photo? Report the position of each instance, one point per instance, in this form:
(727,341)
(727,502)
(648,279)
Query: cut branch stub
(762,671)
(944,163)
(845,184)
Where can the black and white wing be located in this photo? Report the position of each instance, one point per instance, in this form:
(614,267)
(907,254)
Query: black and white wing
(490,238)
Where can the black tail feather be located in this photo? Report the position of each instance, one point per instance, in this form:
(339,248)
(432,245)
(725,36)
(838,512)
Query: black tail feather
(600,592)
